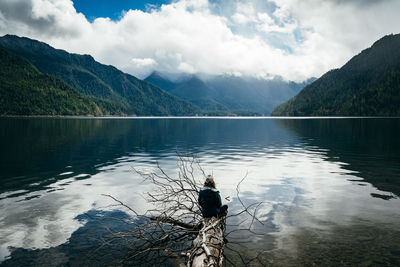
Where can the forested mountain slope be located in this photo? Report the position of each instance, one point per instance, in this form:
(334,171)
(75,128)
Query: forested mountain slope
(112,90)
(368,85)
(26,91)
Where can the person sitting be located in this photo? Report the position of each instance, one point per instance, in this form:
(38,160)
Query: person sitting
(210,200)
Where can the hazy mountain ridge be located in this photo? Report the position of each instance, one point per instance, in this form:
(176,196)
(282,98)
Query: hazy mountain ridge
(26,91)
(112,90)
(367,85)
(223,92)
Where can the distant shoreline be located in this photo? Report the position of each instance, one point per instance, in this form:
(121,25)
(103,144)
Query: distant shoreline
(195,117)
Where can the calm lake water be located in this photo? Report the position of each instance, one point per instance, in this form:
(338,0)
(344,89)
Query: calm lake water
(330,187)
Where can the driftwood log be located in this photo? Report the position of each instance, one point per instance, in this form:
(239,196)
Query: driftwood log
(208,246)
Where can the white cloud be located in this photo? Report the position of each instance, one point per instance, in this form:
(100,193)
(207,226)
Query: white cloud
(240,18)
(265,18)
(143,65)
(143,62)
(294,39)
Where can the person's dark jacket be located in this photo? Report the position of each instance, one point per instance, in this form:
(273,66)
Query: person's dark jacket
(210,202)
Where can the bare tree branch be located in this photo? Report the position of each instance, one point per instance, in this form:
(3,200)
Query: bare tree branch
(174,230)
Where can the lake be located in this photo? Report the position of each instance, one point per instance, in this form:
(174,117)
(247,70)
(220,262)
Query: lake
(330,187)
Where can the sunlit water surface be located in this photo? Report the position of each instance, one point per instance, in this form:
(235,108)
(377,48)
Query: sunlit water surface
(330,187)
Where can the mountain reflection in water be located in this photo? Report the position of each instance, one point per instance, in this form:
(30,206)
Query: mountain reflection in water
(330,187)
(370,147)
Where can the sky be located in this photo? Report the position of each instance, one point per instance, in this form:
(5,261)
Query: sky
(293,39)
(113,9)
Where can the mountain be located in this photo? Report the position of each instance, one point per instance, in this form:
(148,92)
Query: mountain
(199,93)
(248,93)
(229,93)
(190,88)
(26,91)
(367,85)
(112,90)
